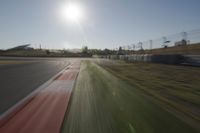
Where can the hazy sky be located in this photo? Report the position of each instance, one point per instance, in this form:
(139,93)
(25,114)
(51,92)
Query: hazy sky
(104,23)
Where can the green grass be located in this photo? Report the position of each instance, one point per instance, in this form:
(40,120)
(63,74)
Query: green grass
(104,103)
(174,87)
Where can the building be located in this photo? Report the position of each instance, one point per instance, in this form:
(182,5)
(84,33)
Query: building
(181,43)
(22,47)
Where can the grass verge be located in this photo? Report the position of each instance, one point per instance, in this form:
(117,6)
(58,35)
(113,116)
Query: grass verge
(104,103)
(175,88)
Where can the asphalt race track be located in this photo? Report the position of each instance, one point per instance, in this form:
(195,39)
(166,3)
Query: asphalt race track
(20,76)
(45,112)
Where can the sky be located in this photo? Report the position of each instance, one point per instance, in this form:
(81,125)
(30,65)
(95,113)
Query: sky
(103,24)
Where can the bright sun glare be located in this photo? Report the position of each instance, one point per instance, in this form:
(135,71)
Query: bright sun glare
(71,11)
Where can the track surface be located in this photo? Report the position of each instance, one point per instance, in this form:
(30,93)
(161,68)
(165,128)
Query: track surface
(45,112)
(21,76)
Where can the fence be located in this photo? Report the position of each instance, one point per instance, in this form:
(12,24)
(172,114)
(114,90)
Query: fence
(183,38)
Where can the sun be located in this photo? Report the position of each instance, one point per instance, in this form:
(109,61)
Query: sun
(71,11)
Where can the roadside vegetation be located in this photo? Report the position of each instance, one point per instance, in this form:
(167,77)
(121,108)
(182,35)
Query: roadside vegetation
(175,88)
(103,102)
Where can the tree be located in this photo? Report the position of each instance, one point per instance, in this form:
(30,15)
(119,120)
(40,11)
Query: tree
(120,51)
(106,51)
(47,52)
(85,50)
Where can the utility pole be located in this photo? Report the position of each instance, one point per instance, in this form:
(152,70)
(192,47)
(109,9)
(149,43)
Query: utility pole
(184,35)
(151,44)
